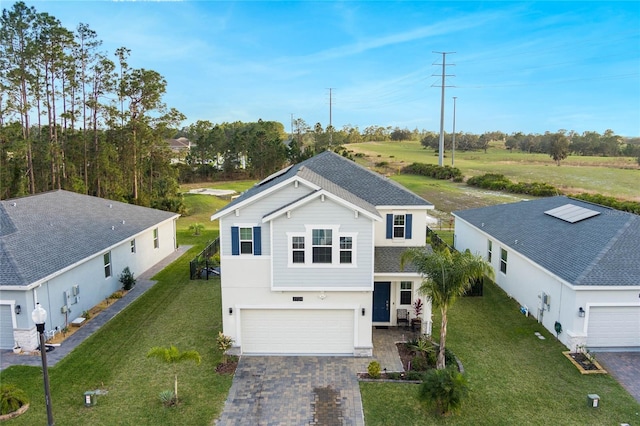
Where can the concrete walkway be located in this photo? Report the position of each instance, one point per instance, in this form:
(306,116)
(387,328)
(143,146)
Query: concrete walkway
(624,367)
(305,390)
(143,283)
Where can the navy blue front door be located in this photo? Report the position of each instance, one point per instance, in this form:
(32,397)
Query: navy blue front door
(381,298)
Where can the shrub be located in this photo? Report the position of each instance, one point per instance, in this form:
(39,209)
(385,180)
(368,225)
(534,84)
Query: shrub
(86,315)
(432,170)
(374,369)
(127,279)
(419,363)
(415,375)
(444,389)
(11,398)
(168,398)
(224,344)
(394,376)
(382,164)
(115,295)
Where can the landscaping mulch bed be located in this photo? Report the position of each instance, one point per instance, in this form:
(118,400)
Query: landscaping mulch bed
(228,367)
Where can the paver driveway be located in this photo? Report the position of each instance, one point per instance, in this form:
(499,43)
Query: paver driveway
(625,368)
(296,391)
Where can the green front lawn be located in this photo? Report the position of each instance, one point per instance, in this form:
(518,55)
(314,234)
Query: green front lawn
(514,377)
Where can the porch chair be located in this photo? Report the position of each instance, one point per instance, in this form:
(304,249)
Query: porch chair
(402,316)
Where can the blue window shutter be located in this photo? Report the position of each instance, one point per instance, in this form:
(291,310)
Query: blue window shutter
(407,226)
(235,240)
(257,241)
(389,226)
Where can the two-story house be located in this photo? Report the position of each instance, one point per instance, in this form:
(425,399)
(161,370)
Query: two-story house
(310,259)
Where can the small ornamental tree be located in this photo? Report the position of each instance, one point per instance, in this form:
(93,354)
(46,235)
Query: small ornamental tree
(11,398)
(196,228)
(172,355)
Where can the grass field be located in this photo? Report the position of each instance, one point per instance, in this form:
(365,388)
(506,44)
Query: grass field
(615,176)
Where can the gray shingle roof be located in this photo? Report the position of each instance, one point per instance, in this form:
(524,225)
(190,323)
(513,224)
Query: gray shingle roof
(387,260)
(345,179)
(44,233)
(601,250)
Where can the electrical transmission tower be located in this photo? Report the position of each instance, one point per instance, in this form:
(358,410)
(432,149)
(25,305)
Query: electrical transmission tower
(443,85)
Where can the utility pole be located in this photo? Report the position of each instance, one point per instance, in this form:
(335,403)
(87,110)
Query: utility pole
(441,144)
(453,146)
(330,112)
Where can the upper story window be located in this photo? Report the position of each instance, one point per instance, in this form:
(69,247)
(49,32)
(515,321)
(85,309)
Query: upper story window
(133,246)
(322,245)
(399,226)
(346,249)
(107,264)
(406,292)
(156,243)
(297,245)
(489,250)
(503,261)
(246,240)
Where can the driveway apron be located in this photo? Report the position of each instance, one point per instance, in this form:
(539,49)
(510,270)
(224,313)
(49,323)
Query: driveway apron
(292,390)
(624,367)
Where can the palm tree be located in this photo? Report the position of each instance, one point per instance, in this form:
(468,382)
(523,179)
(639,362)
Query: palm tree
(446,277)
(172,355)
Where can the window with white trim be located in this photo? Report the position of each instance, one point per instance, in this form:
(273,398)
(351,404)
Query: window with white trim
(156,242)
(503,261)
(322,245)
(346,249)
(107,264)
(133,246)
(406,291)
(246,240)
(297,249)
(398,225)
(489,250)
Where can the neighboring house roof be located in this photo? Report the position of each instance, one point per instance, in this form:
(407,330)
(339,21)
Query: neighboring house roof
(342,177)
(387,260)
(601,250)
(44,233)
(180,144)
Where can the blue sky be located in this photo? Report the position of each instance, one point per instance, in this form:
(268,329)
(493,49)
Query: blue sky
(518,66)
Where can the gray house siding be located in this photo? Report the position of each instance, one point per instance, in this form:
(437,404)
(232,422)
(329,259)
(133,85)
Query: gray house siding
(317,213)
(255,211)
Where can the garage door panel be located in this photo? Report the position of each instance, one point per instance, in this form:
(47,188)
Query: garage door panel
(297,331)
(6,327)
(614,327)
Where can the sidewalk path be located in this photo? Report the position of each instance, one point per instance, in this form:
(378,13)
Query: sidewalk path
(143,283)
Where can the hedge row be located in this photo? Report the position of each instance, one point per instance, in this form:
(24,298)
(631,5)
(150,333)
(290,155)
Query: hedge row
(625,206)
(432,170)
(498,182)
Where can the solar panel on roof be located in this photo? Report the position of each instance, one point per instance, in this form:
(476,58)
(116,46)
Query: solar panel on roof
(572,213)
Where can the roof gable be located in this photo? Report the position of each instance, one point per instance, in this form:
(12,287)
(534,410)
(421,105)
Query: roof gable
(54,230)
(602,250)
(343,178)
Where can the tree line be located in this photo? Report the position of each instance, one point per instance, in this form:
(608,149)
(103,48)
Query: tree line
(74,117)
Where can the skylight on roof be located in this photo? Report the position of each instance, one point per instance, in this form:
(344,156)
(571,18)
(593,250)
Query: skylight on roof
(571,213)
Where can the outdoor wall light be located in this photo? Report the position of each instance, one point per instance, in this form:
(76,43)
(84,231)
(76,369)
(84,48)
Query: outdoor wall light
(230,311)
(362,311)
(18,309)
(581,312)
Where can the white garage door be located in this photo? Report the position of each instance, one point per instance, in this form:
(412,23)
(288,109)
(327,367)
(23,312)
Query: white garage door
(6,327)
(297,331)
(614,327)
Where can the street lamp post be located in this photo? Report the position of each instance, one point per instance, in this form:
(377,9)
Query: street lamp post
(39,316)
